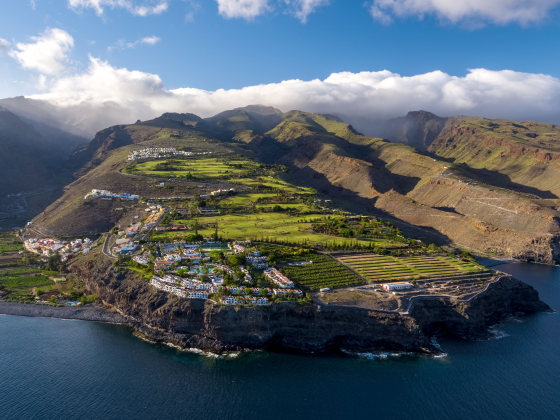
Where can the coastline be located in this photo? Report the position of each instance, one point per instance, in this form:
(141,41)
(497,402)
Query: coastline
(85,313)
(190,324)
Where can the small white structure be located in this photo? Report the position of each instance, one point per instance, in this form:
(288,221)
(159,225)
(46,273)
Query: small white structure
(390,287)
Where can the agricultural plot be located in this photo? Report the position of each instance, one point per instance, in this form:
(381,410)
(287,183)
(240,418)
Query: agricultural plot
(376,268)
(9,244)
(22,282)
(275,226)
(323,272)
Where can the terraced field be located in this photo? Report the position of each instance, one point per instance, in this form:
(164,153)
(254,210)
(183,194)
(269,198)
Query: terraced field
(323,272)
(376,268)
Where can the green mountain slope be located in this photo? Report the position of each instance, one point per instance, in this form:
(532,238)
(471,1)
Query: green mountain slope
(437,198)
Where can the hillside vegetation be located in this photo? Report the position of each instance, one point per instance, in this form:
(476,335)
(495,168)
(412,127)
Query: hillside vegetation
(476,187)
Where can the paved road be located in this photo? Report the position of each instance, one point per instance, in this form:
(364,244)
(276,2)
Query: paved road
(106,249)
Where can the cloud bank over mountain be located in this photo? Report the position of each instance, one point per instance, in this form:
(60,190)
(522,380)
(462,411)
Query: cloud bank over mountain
(375,95)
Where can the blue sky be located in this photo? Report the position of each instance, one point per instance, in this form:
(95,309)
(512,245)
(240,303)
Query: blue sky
(195,45)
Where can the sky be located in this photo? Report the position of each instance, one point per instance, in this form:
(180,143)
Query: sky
(373,58)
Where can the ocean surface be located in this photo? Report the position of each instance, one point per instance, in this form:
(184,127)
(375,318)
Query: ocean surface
(56,369)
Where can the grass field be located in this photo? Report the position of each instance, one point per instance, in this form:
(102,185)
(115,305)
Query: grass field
(206,168)
(199,167)
(377,268)
(279,226)
(324,272)
(245,199)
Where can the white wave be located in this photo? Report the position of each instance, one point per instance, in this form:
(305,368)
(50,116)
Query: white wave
(202,352)
(439,356)
(377,355)
(497,333)
(145,339)
(173,345)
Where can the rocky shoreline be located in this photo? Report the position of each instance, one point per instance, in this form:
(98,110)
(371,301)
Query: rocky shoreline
(295,327)
(84,313)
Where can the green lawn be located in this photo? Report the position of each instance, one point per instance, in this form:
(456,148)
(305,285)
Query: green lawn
(246,199)
(199,167)
(272,225)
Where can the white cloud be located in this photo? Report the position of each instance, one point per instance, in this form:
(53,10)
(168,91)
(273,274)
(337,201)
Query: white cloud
(152,40)
(150,10)
(47,53)
(99,6)
(121,44)
(4,46)
(473,11)
(303,8)
(246,9)
(382,94)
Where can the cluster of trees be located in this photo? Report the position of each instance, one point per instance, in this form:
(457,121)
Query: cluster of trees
(54,263)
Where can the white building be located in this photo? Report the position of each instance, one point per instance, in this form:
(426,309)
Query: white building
(396,286)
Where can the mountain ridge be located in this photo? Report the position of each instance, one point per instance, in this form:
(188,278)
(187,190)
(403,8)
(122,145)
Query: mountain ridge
(427,195)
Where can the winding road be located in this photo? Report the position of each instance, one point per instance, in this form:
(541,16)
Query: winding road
(106,250)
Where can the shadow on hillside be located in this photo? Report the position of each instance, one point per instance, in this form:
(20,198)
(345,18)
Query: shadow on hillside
(349,200)
(500,180)
(401,183)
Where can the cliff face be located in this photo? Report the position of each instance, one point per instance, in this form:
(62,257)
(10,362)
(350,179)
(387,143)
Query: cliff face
(308,328)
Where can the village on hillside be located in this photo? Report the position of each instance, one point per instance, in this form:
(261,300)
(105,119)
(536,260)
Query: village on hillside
(66,250)
(161,152)
(184,270)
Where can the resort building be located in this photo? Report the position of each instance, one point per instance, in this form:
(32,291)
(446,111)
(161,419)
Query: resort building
(279,278)
(390,287)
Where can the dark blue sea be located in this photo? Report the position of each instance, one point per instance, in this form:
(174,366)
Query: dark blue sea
(56,369)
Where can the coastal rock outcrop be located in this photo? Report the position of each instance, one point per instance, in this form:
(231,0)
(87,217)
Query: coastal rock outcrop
(201,324)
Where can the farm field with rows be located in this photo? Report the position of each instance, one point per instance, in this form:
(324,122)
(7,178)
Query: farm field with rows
(323,272)
(376,268)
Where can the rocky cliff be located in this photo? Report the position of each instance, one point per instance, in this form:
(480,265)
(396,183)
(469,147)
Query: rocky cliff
(308,328)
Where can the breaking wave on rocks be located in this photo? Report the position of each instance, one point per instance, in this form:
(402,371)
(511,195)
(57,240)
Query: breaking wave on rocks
(231,355)
(434,342)
(377,355)
(497,333)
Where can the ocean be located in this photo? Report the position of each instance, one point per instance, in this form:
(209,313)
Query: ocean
(57,369)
